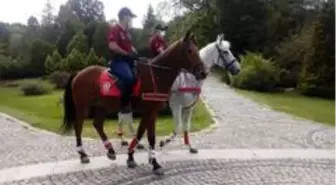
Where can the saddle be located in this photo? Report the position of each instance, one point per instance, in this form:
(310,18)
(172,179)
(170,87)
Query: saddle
(109,86)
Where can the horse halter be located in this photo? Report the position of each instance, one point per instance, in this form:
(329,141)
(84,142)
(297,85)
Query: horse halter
(220,56)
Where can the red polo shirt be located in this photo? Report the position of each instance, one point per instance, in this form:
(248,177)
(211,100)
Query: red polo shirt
(156,42)
(119,35)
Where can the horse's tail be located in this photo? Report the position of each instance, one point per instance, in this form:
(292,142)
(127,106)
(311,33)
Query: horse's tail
(69,106)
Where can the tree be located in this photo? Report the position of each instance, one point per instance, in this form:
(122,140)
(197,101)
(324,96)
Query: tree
(78,42)
(56,56)
(49,28)
(290,54)
(40,50)
(75,61)
(88,10)
(49,65)
(70,28)
(66,15)
(4,33)
(149,20)
(318,70)
(99,40)
(16,49)
(92,58)
(89,31)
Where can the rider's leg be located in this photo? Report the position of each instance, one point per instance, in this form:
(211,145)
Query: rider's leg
(124,73)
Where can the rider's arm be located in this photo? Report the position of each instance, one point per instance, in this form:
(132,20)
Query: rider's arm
(134,50)
(114,47)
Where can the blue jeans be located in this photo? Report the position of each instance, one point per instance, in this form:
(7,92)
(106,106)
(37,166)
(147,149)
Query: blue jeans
(123,70)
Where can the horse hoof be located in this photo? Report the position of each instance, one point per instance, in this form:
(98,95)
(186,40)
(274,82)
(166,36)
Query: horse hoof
(124,143)
(158,171)
(85,159)
(131,164)
(161,144)
(111,156)
(193,150)
(140,146)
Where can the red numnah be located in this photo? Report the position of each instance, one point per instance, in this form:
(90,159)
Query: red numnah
(108,86)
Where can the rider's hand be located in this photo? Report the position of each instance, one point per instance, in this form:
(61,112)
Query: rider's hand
(134,56)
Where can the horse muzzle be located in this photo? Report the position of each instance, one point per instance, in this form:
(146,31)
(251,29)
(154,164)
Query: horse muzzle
(201,75)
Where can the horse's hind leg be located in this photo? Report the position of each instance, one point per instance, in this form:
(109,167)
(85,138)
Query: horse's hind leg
(128,121)
(98,123)
(177,118)
(80,116)
(186,119)
(120,130)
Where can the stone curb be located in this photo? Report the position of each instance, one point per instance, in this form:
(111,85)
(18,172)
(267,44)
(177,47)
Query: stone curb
(68,166)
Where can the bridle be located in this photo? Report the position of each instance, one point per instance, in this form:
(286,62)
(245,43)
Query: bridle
(194,68)
(220,56)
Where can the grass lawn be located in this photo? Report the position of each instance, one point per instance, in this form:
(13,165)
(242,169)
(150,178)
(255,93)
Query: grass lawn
(316,109)
(44,112)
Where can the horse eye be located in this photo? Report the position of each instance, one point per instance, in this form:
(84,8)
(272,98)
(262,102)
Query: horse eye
(189,51)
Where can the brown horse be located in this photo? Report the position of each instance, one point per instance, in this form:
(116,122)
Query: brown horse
(93,86)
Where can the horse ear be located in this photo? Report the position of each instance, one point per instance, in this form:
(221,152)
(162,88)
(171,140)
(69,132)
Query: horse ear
(218,37)
(186,36)
(193,38)
(222,36)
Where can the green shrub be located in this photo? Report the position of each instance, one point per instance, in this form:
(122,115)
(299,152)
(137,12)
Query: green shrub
(35,88)
(257,74)
(10,69)
(59,79)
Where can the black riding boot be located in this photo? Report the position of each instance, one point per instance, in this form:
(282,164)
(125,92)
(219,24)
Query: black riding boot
(125,100)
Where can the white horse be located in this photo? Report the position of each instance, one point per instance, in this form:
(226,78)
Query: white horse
(185,90)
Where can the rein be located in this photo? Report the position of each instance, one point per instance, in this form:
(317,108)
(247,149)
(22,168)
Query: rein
(220,56)
(155,96)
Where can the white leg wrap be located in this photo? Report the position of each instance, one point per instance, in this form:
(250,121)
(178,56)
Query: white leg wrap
(80,149)
(151,154)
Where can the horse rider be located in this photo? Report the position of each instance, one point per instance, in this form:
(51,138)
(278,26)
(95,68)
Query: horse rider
(157,43)
(123,56)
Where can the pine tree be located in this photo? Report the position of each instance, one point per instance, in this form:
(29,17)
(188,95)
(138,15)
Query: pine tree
(49,65)
(318,71)
(78,42)
(92,58)
(75,61)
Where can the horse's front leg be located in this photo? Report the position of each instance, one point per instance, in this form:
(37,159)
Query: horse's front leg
(186,119)
(157,169)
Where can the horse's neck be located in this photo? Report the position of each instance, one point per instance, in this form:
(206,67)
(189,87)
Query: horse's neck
(157,79)
(186,80)
(208,55)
